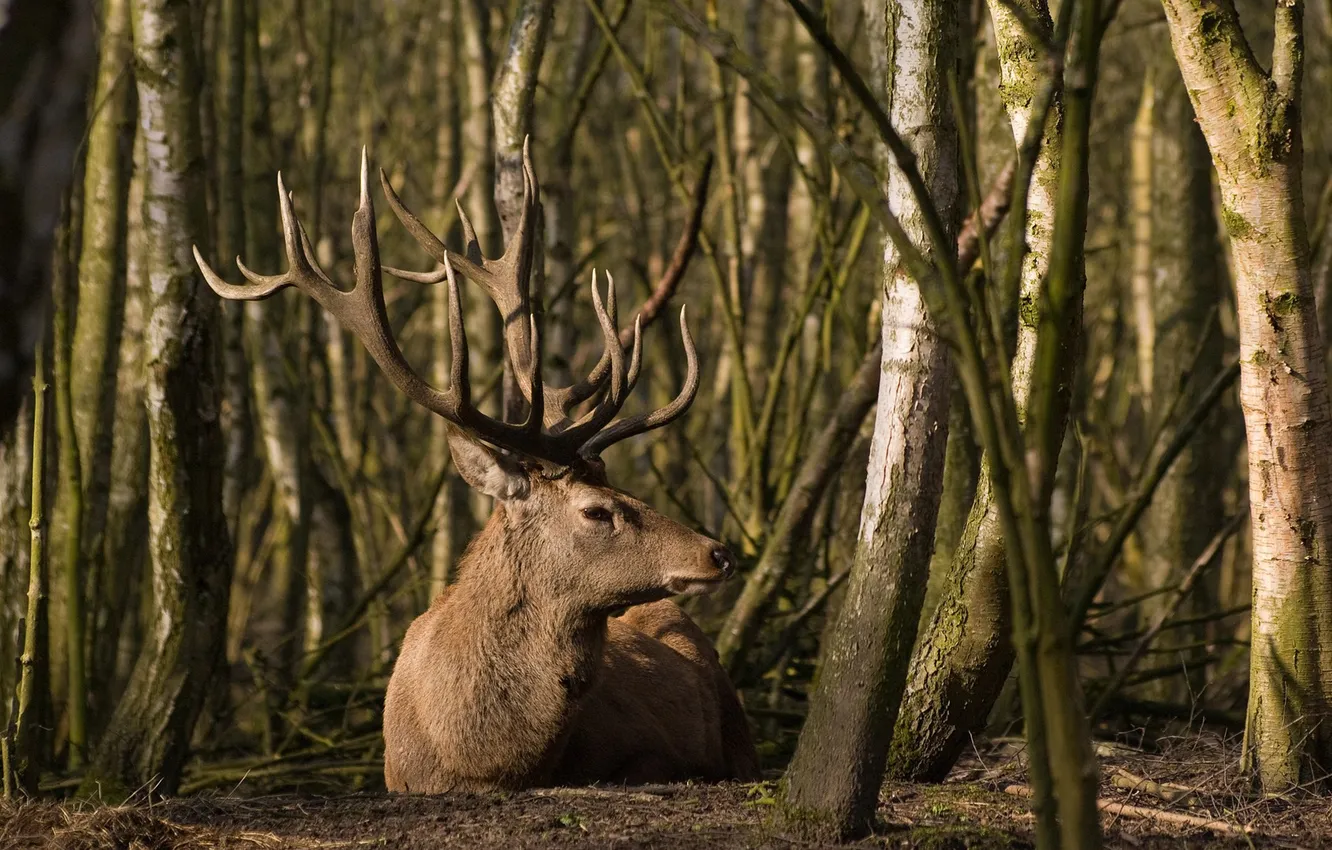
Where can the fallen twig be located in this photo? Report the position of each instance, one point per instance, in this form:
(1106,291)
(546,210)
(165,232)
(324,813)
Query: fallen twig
(1168,791)
(642,793)
(1145,813)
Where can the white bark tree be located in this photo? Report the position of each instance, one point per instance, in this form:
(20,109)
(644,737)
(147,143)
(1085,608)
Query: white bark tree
(149,734)
(838,765)
(1251,120)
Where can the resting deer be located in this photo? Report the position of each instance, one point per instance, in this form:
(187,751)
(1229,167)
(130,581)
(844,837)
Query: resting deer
(518,675)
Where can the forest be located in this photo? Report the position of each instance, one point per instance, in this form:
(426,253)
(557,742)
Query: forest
(665,423)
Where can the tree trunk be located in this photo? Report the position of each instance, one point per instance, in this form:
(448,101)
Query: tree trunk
(101,284)
(237,421)
(123,550)
(1251,120)
(515,87)
(767,170)
(70,528)
(966,652)
(838,764)
(15,511)
(478,153)
(31,708)
(961,473)
(451,505)
(149,734)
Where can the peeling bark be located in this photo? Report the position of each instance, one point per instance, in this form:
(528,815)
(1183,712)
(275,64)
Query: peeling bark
(1251,120)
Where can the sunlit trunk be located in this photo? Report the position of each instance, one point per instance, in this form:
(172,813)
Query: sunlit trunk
(838,765)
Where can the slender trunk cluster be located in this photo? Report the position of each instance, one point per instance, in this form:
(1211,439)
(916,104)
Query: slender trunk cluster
(965,653)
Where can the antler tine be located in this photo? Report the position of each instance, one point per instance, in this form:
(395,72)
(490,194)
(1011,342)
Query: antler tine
(471,245)
(547,434)
(585,389)
(308,249)
(505,280)
(573,436)
(460,383)
(656,419)
(536,414)
(301,273)
(636,357)
(430,242)
(361,310)
(606,314)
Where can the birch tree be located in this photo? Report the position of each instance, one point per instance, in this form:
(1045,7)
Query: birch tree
(511,106)
(838,765)
(149,734)
(965,653)
(1251,120)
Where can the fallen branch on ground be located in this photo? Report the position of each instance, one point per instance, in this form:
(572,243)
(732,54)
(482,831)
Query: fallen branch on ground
(1145,813)
(1168,791)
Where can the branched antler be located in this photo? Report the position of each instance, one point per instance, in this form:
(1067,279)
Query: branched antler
(549,433)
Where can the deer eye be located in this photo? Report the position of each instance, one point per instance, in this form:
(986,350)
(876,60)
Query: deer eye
(597,514)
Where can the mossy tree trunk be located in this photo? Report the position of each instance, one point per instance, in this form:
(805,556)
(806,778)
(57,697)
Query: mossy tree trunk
(966,652)
(838,765)
(148,737)
(1251,120)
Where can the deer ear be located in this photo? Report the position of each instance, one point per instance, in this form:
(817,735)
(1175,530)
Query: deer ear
(486,470)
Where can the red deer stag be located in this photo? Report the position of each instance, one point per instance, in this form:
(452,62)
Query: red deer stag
(518,675)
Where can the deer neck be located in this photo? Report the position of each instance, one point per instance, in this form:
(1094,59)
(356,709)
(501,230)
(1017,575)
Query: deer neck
(538,648)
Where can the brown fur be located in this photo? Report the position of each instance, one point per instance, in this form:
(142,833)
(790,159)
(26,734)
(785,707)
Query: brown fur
(517,676)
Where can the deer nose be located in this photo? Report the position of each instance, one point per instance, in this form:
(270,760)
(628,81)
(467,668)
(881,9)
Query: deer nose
(725,561)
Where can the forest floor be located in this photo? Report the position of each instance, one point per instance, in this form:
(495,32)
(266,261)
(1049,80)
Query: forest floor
(1188,802)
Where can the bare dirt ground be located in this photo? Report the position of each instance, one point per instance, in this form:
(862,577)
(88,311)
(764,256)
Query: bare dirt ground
(1185,796)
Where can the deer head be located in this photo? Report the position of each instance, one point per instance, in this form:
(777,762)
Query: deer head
(556,512)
